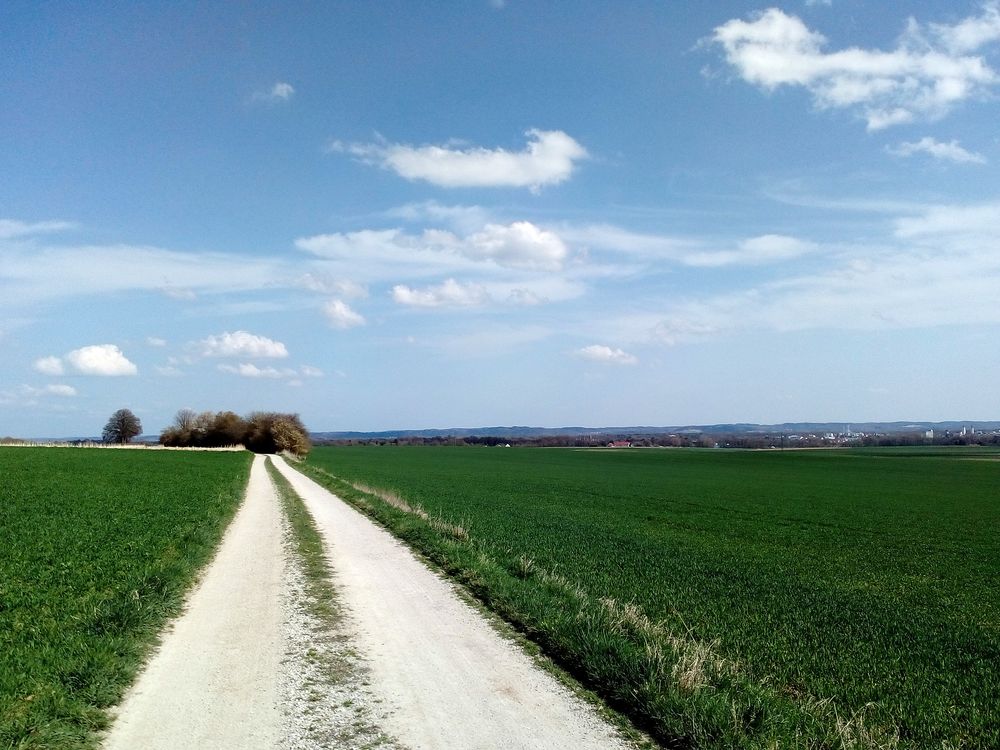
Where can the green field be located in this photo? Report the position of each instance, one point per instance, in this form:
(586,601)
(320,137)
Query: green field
(96,550)
(838,598)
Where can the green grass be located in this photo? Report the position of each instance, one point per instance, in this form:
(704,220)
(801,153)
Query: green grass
(829,594)
(97,548)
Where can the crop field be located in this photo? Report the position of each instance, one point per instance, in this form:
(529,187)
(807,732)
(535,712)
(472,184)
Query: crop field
(97,548)
(727,598)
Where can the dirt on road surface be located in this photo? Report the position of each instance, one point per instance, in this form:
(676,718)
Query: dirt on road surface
(448,678)
(239,669)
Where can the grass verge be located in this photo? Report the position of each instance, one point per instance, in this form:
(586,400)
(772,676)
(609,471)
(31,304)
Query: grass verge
(670,684)
(98,551)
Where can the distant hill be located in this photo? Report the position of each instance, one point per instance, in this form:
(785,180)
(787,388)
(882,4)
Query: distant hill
(727,429)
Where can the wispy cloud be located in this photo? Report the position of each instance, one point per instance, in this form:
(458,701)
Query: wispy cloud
(12,228)
(607,355)
(950,151)
(930,70)
(519,245)
(548,159)
(82,270)
(278,93)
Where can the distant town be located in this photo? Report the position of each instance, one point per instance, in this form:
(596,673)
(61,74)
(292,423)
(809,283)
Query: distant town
(789,435)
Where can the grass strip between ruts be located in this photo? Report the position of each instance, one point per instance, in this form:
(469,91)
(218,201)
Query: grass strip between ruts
(676,688)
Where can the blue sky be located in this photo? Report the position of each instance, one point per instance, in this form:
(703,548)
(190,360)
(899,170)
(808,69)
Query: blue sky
(401,215)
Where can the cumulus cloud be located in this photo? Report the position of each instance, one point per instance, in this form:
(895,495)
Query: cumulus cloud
(340,315)
(49,366)
(12,228)
(242,344)
(101,359)
(607,355)
(928,72)
(279,92)
(451,293)
(549,158)
(311,372)
(951,151)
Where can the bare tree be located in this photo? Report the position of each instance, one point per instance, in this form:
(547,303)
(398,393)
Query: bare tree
(122,427)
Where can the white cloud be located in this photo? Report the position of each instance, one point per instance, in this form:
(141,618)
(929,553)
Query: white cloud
(921,78)
(689,251)
(977,219)
(519,245)
(12,228)
(250,370)
(548,159)
(169,371)
(340,315)
(768,248)
(29,395)
(319,282)
(101,359)
(183,295)
(155,341)
(970,34)
(466,219)
(948,151)
(311,372)
(49,366)
(602,353)
(448,294)
(83,270)
(60,390)
(279,92)
(241,344)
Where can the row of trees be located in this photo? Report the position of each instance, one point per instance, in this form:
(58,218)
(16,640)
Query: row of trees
(259,431)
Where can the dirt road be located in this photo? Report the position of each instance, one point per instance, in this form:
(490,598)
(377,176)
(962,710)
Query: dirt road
(214,681)
(440,676)
(451,681)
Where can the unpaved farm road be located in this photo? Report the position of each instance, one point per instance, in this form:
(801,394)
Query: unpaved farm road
(444,676)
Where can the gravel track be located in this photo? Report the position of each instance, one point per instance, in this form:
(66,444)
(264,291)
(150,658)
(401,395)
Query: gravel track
(213,683)
(447,677)
(404,663)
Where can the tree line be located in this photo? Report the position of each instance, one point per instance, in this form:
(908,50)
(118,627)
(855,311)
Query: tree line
(259,431)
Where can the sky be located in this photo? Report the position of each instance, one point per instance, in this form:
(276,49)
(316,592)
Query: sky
(410,215)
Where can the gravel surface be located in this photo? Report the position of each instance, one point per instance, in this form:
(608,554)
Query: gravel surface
(401,662)
(213,682)
(326,701)
(449,680)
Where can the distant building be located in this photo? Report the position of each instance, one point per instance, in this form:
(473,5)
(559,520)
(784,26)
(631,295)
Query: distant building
(620,444)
